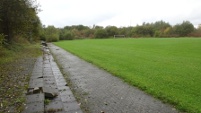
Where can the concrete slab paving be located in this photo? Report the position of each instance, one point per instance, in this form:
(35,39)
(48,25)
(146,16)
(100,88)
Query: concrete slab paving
(64,88)
(36,107)
(54,106)
(71,106)
(67,92)
(36,83)
(48,79)
(50,82)
(35,98)
(57,98)
(67,98)
(37,75)
(50,92)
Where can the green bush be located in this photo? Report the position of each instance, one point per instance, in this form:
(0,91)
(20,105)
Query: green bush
(2,39)
(52,38)
(157,34)
(66,35)
(101,33)
(51,34)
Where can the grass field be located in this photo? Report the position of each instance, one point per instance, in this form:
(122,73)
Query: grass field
(167,68)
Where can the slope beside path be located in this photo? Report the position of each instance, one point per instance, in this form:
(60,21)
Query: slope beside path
(99,91)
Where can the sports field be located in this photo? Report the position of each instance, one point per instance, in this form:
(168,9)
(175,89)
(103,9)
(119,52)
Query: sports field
(167,68)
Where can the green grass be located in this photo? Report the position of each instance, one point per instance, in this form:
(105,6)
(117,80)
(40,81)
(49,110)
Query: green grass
(167,68)
(18,51)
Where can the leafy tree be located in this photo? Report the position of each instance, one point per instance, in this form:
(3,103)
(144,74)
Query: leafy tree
(125,31)
(76,33)
(101,33)
(97,27)
(160,25)
(42,33)
(18,18)
(111,30)
(144,30)
(199,27)
(51,34)
(81,27)
(2,40)
(68,35)
(184,29)
(157,34)
(196,32)
(159,28)
(65,34)
(88,33)
(167,32)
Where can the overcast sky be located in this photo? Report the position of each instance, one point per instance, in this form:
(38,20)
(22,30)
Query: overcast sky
(119,13)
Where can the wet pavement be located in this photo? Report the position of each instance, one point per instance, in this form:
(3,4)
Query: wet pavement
(100,92)
(48,91)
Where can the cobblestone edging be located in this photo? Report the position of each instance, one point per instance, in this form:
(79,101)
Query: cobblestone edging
(48,92)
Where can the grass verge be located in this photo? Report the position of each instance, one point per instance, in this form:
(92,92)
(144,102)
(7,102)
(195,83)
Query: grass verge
(16,64)
(17,51)
(169,69)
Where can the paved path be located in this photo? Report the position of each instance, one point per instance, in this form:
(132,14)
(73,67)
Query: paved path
(48,91)
(99,91)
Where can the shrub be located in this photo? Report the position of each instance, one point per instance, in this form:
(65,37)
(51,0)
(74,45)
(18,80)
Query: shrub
(100,33)
(68,36)
(52,38)
(2,39)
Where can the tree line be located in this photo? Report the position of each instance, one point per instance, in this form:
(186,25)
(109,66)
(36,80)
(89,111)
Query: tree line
(19,21)
(156,29)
